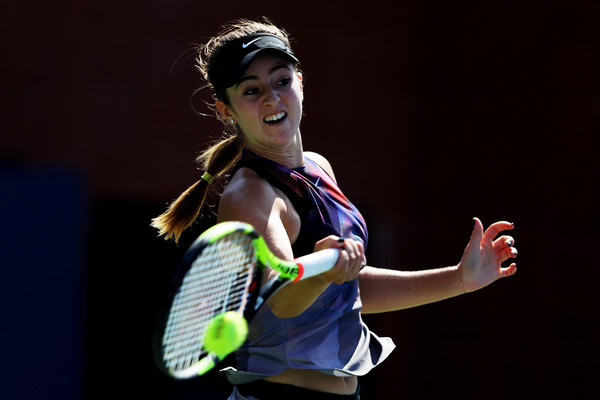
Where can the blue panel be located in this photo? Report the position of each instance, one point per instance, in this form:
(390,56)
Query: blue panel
(42,262)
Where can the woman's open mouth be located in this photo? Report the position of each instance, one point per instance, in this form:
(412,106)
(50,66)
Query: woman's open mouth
(275,118)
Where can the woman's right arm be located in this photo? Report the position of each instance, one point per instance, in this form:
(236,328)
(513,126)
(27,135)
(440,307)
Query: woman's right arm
(250,199)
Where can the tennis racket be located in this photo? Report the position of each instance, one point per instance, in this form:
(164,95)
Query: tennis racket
(222,271)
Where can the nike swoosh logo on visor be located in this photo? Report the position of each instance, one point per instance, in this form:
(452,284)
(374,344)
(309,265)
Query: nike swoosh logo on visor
(244,45)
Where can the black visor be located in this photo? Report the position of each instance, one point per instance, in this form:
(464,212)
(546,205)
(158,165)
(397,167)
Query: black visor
(233,59)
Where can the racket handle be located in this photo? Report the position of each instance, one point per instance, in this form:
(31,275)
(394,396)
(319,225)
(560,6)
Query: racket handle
(316,263)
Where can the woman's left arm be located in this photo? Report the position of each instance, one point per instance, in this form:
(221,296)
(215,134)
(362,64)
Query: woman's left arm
(383,290)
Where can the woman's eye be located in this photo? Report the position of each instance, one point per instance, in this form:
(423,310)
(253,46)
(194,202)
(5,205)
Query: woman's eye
(254,90)
(284,81)
(251,91)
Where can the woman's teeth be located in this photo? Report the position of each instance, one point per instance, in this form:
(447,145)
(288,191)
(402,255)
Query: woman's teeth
(275,117)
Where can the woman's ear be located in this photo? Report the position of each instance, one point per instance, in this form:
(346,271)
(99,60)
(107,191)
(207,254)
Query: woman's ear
(224,111)
(301,81)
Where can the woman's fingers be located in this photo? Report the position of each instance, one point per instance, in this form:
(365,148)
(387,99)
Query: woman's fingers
(495,228)
(510,270)
(503,242)
(330,241)
(350,261)
(482,261)
(507,252)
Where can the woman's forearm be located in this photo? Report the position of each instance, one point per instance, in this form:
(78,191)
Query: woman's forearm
(293,299)
(383,290)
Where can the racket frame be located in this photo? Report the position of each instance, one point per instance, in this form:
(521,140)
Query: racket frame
(256,293)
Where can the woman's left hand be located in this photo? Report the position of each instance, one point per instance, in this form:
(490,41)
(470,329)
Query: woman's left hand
(482,260)
(350,261)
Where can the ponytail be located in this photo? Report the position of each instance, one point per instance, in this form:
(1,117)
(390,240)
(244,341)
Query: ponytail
(220,157)
(182,212)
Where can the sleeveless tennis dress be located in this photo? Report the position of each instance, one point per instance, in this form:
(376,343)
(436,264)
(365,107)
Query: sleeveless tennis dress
(330,336)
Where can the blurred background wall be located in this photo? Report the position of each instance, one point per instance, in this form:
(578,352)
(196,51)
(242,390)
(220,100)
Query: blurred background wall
(431,113)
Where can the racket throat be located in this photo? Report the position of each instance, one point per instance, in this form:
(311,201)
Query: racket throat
(254,299)
(268,290)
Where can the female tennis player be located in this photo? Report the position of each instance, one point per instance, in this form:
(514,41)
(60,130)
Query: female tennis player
(309,341)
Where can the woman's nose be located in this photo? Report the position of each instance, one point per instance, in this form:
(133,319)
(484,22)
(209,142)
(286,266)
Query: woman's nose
(271,97)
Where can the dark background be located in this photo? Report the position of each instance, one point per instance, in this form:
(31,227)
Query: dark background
(431,113)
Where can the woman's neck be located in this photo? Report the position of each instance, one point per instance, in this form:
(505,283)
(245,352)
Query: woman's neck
(292,156)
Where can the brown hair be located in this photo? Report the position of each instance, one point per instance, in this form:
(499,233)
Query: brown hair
(222,155)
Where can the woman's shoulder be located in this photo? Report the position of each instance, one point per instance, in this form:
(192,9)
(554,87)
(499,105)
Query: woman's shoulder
(321,162)
(246,194)
(252,199)
(247,184)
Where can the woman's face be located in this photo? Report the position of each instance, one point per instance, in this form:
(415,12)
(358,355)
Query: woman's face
(267,103)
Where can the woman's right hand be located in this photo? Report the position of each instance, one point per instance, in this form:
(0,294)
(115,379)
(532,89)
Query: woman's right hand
(350,262)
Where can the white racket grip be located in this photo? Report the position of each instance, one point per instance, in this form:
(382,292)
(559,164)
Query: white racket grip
(316,263)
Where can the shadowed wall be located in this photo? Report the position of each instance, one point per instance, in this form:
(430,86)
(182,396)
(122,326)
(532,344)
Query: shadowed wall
(430,113)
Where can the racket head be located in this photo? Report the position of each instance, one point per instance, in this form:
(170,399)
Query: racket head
(217,274)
